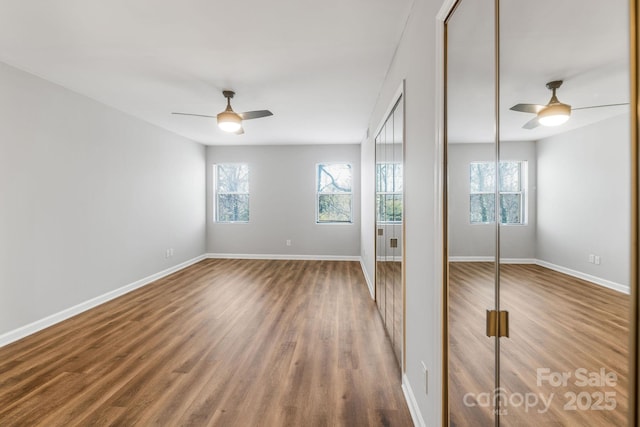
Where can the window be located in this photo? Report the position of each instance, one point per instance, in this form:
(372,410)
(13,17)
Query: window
(512,186)
(231,183)
(389,192)
(333,190)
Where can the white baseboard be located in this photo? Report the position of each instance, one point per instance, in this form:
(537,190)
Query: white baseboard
(51,320)
(588,277)
(491,259)
(286,257)
(580,275)
(519,261)
(368,279)
(472,259)
(397,258)
(414,410)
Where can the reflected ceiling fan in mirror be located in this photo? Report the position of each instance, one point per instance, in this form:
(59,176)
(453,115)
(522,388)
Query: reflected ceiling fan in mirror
(555,112)
(229,120)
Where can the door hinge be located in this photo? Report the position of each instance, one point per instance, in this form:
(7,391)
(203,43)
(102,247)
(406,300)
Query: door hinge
(492,323)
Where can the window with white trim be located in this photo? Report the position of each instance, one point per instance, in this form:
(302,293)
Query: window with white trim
(482,192)
(231,186)
(334,193)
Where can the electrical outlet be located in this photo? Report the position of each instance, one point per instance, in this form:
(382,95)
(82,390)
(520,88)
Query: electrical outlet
(597,260)
(288,242)
(592,258)
(167,253)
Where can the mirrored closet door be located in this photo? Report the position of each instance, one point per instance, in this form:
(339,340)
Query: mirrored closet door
(471,153)
(539,185)
(389,226)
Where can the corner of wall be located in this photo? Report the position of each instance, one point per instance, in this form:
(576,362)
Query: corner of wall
(367,278)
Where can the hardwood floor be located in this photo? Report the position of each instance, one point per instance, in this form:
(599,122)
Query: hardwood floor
(557,322)
(224,343)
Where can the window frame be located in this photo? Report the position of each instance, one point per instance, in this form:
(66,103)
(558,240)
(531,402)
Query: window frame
(523,172)
(342,193)
(217,193)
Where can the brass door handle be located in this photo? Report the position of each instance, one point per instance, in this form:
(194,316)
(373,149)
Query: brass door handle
(492,323)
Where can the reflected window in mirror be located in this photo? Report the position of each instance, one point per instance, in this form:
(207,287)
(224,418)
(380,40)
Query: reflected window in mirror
(512,192)
(389,192)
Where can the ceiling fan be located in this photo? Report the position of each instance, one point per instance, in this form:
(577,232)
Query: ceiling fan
(229,120)
(555,112)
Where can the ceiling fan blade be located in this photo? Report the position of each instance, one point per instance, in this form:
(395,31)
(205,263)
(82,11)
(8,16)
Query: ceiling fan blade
(531,124)
(600,106)
(197,115)
(528,108)
(255,114)
(239,131)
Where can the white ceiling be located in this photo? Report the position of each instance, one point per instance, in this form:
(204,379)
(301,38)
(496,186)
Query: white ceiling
(317,65)
(584,43)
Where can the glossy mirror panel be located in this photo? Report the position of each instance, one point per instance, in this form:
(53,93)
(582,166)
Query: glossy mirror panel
(471,155)
(551,203)
(564,274)
(389,225)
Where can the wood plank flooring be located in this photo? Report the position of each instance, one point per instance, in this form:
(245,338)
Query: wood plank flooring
(556,322)
(221,343)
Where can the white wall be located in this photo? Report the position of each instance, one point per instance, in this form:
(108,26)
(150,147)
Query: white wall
(415,61)
(90,199)
(282,201)
(584,199)
(478,240)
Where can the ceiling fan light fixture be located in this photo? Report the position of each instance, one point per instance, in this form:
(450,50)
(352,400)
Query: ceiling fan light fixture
(229,121)
(554,114)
